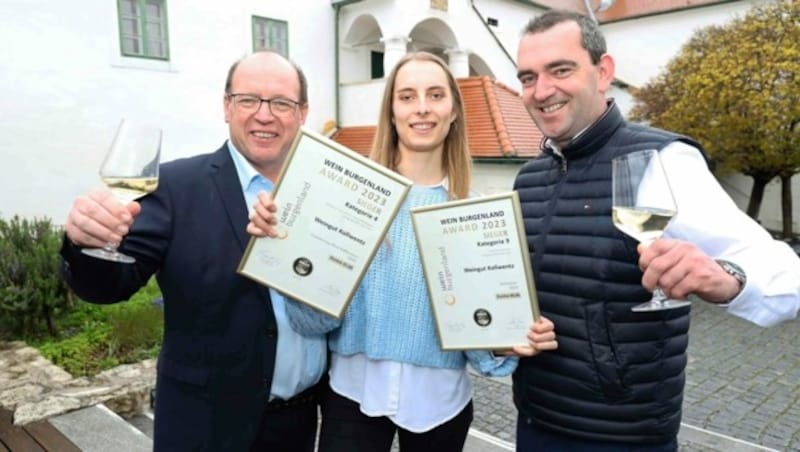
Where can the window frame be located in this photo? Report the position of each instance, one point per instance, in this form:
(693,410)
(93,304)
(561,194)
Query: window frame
(143,36)
(260,21)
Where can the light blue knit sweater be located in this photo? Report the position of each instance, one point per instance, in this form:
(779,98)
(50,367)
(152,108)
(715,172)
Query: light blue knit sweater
(390,315)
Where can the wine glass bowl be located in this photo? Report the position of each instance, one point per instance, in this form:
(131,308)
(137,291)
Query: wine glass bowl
(642,207)
(130,171)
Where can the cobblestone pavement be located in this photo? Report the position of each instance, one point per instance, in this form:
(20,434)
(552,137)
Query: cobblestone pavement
(742,381)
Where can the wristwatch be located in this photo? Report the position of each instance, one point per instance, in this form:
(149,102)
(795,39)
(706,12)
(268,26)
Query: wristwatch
(735,271)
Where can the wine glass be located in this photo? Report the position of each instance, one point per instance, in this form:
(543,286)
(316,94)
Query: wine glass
(130,171)
(643,205)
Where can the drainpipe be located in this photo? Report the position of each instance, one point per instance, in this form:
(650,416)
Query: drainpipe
(491,32)
(337,6)
(590,10)
(604,5)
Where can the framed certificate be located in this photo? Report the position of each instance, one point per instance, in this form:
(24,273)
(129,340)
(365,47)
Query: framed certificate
(334,209)
(476,263)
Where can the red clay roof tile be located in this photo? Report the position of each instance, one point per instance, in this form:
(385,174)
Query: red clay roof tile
(628,9)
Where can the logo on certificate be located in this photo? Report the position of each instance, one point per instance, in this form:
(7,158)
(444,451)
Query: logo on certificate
(450,300)
(482,317)
(302,266)
(282,235)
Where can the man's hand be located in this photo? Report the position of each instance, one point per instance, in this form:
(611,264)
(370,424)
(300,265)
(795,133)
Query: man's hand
(262,217)
(98,218)
(679,268)
(541,337)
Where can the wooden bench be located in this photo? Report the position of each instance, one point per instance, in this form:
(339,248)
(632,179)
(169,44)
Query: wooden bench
(34,437)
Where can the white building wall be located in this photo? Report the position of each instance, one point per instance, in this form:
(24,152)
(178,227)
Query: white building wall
(622,98)
(493,178)
(642,47)
(511,18)
(354,63)
(65,87)
(475,37)
(739,186)
(357,39)
(361,102)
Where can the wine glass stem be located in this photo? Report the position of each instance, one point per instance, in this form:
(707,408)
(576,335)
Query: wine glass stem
(659,296)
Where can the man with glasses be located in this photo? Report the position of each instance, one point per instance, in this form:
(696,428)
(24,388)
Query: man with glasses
(232,374)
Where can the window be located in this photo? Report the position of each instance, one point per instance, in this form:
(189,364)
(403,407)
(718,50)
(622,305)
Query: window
(271,34)
(143,28)
(439,4)
(376,64)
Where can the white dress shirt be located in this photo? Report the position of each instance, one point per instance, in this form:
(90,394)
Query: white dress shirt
(708,218)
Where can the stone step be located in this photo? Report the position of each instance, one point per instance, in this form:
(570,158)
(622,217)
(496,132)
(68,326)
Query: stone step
(478,441)
(143,423)
(98,429)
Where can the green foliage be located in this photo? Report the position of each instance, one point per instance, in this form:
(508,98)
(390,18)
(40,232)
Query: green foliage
(98,337)
(735,88)
(82,354)
(31,290)
(36,306)
(136,333)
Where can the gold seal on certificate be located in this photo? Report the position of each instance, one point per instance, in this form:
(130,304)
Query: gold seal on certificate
(478,271)
(334,209)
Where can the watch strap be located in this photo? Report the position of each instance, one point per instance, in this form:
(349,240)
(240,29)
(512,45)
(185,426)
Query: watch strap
(735,271)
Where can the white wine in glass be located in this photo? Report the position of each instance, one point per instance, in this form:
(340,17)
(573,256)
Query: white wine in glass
(127,189)
(645,224)
(643,206)
(130,171)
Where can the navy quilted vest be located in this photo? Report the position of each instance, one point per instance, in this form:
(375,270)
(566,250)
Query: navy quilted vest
(617,375)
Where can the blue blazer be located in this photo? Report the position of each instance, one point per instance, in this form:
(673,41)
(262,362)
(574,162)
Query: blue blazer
(218,354)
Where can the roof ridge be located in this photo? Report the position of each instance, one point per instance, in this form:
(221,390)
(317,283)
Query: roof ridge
(496,115)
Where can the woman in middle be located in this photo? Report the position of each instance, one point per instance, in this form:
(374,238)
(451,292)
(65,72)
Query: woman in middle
(387,372)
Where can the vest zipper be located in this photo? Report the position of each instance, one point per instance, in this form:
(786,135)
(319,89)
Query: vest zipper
(563,165)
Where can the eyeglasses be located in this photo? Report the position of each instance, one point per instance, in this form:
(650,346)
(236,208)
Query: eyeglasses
(249,103)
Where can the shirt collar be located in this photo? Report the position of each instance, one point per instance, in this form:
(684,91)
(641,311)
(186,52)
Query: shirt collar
(557,149)
(444,183)
(244,170)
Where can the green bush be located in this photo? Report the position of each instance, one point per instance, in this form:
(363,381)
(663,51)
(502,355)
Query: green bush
(32,293)
(135,334)
(36,306)
(98,337)
(137,326)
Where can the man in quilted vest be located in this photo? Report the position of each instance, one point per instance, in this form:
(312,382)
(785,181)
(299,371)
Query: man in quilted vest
(616,380)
